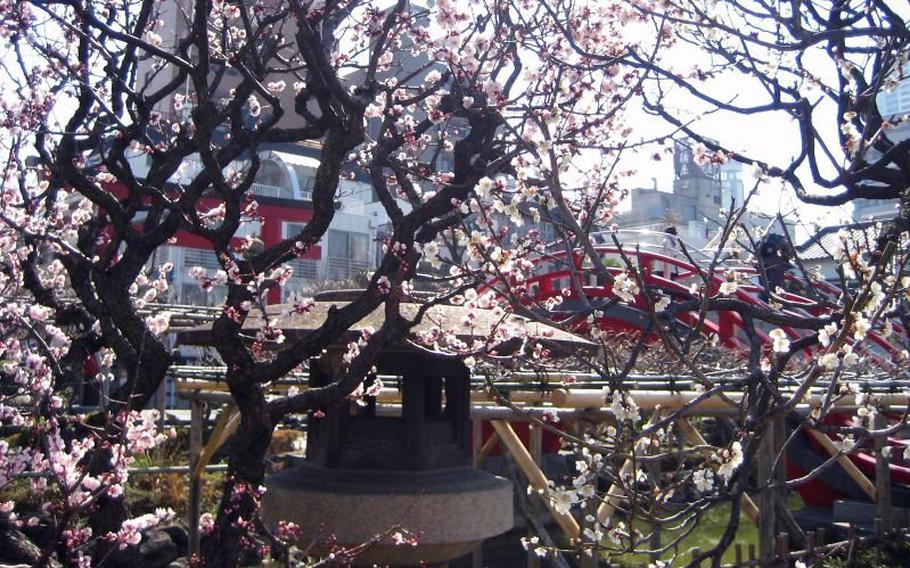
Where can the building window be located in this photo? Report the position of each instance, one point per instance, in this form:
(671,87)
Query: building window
(348,254)
(306,178)
(290,229)
(192,294)
(199,257)
(345,244)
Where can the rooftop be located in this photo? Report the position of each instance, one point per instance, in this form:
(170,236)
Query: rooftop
(827,241)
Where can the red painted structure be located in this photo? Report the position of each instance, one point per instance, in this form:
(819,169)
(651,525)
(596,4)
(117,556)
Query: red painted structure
(273,213)
(663,272)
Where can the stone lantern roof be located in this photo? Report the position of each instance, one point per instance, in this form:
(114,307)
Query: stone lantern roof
(484,323)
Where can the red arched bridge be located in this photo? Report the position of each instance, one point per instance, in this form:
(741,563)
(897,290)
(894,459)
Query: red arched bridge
(669,269)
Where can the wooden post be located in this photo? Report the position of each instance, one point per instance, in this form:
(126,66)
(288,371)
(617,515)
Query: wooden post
(852,548)
(487,447)
(767,522)
(882,481)
(197,412)
(738,552)
(227,423)
(535,435)
(780,473)
(783,546)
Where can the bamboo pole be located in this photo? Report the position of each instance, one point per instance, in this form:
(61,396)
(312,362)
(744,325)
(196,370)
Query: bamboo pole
(590,398)
(694,436)
(645,399)
(536,478)
(867,486)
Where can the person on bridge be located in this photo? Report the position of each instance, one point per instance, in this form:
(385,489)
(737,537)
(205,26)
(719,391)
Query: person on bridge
(774,257)
(671,248)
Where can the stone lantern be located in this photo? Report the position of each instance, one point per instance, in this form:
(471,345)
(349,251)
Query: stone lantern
(371,468)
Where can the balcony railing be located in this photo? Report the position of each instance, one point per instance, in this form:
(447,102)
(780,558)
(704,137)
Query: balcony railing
(267,190)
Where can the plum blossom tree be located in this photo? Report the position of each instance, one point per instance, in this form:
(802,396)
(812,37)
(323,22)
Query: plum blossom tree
(477,124)
(94,88)
(828,70)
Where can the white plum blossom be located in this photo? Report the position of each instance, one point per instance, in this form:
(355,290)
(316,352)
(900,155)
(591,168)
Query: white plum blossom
(845,445)
(828,360)
(780,342)
(730,459)
(850,358)
(703,480)
(563,500)
(826,333)
(662,303)
(484,187)
(861,327)
(625,288)
(730,283)
(431,254)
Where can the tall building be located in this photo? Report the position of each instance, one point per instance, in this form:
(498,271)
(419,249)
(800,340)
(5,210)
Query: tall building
(893,105)
(700,192)
(282,186)
(895,102)
(282,190)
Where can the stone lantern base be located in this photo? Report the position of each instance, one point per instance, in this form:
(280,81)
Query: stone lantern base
(452,509)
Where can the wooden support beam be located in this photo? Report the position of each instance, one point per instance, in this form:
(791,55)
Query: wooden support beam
(883,508)
(536,478)
(487,447)
(694,436)
(225,426)
(615,493)
(825,442)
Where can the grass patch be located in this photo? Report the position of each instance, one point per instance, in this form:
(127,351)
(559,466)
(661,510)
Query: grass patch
(710,527)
